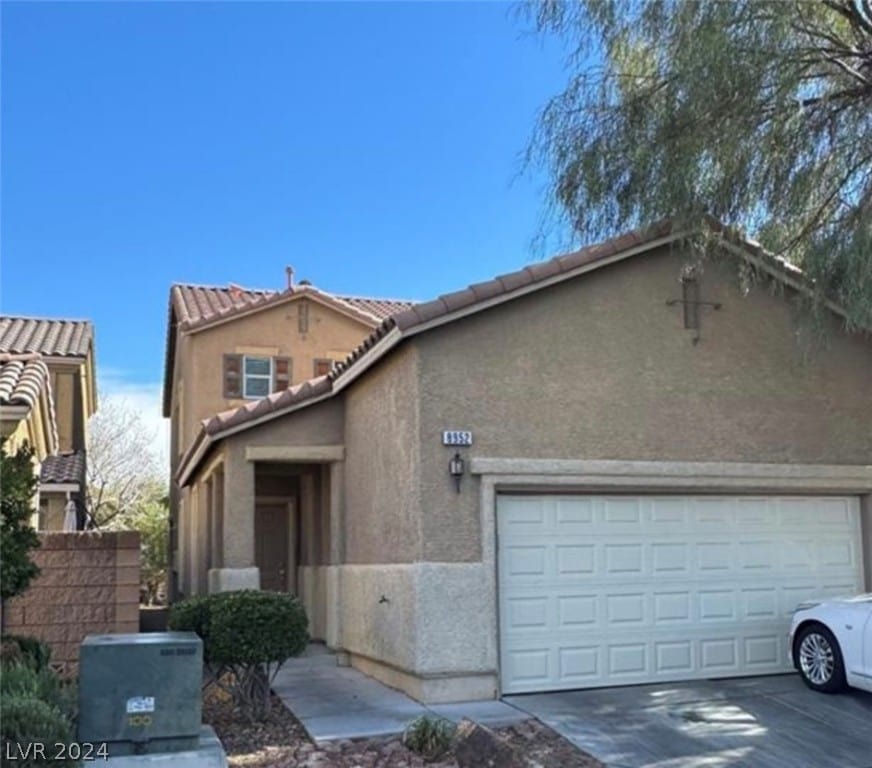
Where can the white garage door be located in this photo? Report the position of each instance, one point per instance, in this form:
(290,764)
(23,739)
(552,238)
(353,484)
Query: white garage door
(613,590)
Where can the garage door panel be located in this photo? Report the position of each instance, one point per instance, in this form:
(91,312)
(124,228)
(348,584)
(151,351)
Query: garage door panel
(662,588)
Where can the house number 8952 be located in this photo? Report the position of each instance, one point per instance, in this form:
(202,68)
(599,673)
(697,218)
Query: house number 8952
(456,437)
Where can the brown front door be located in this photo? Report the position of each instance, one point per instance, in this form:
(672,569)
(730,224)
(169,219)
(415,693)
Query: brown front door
(271,545)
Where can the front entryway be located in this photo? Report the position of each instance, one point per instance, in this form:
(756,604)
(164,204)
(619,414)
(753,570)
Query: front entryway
(271,532)
(612,590)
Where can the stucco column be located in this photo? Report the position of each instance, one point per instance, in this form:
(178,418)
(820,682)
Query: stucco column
(239,570)
(337,513)
(217,543)
(200,511)
(336,555)
(308,521)
(866,538)
(238,513)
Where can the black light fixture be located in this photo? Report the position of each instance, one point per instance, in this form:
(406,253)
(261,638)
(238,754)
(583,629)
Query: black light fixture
(455,469)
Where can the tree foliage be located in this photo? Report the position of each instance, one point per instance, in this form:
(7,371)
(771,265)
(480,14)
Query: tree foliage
(149,516)
(122,470)
(125,488)
(756,112)
(247,635)
(18,484)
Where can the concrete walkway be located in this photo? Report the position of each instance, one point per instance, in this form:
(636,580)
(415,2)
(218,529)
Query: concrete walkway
(334,702)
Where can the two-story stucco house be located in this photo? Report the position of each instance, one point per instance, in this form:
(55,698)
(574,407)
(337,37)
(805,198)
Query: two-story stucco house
(47,394)
(622,465)
(232,346)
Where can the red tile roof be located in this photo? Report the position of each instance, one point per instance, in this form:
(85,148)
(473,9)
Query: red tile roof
(65,338)
(298,393)
(418,317)
(194,307)
(198,305)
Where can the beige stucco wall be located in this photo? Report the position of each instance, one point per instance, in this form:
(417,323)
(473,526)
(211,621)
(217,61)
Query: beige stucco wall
(320,424)
(382,471)
(71,391)
(54,512)
(272,332)
(33,430)
(198,394)
(601,368)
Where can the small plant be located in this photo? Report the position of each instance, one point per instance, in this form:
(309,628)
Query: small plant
(38,708)
(22,680)
(429,736)
(28,720)
(247,635)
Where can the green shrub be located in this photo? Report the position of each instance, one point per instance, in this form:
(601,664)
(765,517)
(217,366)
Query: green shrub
(192,615)
(32,650)
(429,736)
(248,634)
(28,720)
(17,537)
(251,627)
(25,681)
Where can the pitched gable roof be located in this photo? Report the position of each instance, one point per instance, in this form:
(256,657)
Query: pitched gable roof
(194,308)
(201,306)
(45,336)
(449,307)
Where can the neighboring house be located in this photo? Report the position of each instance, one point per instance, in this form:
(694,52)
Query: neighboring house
(660,470)
(229,346)
(47,394)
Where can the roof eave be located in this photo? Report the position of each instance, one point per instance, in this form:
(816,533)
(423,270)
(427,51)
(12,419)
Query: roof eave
(360,316)
(204,440)
(169,356)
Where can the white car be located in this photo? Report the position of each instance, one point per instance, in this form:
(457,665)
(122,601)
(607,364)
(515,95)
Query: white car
(831,643)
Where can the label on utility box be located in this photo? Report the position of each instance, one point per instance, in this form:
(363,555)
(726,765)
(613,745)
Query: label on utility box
(140,704)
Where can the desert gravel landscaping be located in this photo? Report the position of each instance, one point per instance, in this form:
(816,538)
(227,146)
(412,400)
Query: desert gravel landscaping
(281,742)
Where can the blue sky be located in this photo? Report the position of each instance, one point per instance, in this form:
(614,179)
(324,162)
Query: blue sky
(374,147)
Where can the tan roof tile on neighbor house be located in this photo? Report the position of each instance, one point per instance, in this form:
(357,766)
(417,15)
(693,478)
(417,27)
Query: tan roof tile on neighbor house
(46,336)
(22,379)
(63,468)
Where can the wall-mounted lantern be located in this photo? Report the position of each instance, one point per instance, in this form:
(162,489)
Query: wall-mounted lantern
(456,467)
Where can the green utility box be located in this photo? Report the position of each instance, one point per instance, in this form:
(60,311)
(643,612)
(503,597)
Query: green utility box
(141,693)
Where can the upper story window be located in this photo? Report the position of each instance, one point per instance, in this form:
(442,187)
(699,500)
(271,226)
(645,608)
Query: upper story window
(258,376)
(254,376)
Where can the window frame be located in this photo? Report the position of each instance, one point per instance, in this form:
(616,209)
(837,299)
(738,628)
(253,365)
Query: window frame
(322,360)
(268,377)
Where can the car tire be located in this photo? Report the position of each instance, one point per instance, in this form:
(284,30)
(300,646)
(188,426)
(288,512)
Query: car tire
(819,659)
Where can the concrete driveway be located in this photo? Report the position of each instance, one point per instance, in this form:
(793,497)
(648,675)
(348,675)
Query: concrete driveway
(760,722)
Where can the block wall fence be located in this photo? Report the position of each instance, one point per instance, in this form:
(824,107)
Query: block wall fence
(89,585)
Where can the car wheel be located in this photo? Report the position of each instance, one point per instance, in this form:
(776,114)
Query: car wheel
(819,659)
